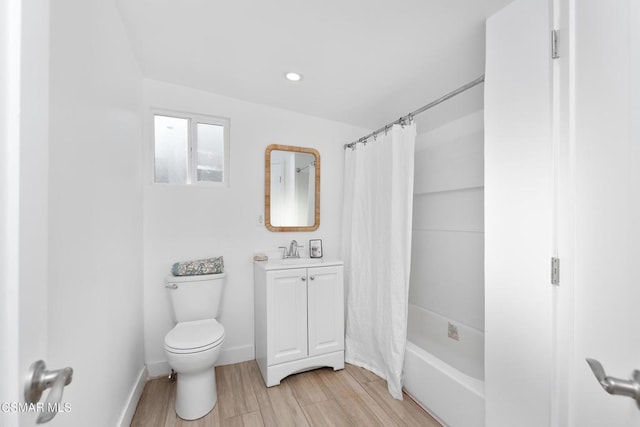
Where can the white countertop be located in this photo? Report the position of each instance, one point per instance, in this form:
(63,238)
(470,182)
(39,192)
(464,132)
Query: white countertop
(288,263)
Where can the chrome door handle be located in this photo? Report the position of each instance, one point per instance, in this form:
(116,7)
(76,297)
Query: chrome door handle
(617,386)
(38,380)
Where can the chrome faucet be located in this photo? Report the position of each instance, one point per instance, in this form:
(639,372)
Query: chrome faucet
(292,252)
(293,249)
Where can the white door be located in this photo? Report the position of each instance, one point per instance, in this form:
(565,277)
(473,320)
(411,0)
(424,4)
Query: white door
(286,315)
(604,176)
(23,198)
(326,309)
(571,125)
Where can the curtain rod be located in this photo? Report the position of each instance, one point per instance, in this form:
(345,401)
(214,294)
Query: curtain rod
(409,117)
(305,166)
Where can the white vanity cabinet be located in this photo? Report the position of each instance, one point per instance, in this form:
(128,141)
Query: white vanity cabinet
(299,317)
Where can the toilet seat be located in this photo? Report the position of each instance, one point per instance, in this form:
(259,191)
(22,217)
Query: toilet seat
(194,336)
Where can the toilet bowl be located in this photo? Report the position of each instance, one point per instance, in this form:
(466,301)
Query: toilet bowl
(193,346)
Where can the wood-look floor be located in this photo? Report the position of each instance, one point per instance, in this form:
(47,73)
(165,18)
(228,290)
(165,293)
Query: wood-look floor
(323,397)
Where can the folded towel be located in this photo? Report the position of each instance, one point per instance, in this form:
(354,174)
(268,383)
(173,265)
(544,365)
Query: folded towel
(201,266)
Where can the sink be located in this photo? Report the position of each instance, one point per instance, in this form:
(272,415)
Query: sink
(277,263)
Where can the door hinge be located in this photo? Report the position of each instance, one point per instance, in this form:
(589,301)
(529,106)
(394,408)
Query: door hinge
(554,44)
(555,271)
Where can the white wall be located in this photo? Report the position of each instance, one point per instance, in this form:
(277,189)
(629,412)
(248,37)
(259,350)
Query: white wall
(182,223)
(447,272)
(95,211)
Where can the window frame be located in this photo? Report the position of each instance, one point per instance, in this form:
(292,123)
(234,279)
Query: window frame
(193,120)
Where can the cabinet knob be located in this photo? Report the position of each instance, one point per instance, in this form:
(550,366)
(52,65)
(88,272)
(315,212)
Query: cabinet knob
(304,278)
(312,277)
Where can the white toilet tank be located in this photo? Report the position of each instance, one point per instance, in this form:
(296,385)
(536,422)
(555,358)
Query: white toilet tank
(195,297)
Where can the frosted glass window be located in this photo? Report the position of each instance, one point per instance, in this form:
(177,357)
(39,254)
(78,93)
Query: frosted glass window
(210,156)
(190,149)
(171,136)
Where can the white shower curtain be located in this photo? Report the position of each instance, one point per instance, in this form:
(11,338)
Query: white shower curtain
(376,246)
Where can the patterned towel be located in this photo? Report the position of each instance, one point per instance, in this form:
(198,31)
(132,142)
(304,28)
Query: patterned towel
(201,266)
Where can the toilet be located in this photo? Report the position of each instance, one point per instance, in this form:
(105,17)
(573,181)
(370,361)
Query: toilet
(193,345)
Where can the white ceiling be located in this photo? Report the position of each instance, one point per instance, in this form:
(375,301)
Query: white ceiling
(364,62)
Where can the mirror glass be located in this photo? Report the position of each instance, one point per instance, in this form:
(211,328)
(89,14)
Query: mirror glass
(292,188)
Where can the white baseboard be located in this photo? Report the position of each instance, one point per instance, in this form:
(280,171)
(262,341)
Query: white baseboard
(133,398)
(228,356)
(238,354)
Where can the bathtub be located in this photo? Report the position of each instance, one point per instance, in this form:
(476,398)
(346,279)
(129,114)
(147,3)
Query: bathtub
(452,392)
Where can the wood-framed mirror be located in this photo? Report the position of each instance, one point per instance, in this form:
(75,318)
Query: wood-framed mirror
(291,188)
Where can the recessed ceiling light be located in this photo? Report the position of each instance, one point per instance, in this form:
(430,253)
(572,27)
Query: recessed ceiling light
(293,77)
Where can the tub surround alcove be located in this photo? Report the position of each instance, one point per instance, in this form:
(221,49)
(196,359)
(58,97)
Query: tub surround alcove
(447,285)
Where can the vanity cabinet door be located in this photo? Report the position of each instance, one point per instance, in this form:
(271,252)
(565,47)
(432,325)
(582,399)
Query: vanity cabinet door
(326,309)
(286,315)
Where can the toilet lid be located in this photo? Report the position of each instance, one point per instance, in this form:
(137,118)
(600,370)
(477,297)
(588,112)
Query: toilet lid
(195,334)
